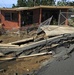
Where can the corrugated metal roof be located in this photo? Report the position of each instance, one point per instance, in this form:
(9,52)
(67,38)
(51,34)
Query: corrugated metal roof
(37,7)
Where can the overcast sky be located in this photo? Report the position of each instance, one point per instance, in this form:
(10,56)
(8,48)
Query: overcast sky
(8,3)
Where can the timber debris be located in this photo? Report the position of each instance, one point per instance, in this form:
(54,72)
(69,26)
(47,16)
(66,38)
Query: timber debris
(40,44)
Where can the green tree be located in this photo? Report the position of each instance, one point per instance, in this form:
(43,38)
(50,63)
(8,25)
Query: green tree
(37,2)
(29,3)
(50,2)
(47,2)
(59,3)
(62,3)
(43,2)
(21,3)
(13,6)
(70,3)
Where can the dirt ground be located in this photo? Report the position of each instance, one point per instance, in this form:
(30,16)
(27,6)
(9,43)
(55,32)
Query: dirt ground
(23,65)
(11,37)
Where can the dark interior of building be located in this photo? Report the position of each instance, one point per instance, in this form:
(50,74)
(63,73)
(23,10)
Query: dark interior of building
(46,13)
(26,17)
(11,16)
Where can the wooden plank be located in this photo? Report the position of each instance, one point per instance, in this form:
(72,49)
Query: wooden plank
(24,40)
(25,56)
(24,47)
(52,30)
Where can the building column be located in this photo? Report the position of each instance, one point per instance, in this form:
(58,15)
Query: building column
(0,17)
(66,22)
(40,15)
(19,20)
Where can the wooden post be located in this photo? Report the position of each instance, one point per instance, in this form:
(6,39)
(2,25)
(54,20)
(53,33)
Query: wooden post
(19,19)
(66,22)
(40,16)
(0,17)
(59,17)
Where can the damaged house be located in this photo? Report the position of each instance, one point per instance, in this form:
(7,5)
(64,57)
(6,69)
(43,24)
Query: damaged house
(23,16)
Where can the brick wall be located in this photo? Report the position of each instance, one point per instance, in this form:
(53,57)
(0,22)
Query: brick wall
(8,24)
(36,13)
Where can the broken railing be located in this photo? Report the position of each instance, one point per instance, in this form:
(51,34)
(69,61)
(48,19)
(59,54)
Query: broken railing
(46,22)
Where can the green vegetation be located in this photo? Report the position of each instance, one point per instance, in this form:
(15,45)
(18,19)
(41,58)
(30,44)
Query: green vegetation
(65,3)
(31,3)
(71,22)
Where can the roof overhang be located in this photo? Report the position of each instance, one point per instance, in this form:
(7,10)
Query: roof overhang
(37,7)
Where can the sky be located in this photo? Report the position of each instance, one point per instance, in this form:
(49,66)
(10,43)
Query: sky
(8,3)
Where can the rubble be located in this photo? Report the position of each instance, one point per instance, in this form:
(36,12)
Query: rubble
(37,46)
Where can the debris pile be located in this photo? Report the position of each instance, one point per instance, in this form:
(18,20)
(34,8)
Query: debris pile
(2,30)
